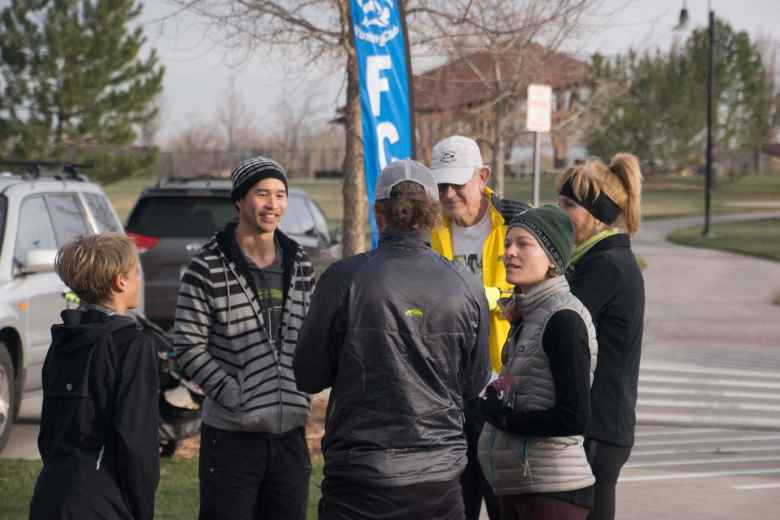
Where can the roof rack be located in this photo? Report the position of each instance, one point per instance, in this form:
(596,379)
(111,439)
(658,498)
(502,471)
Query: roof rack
(167,181)
(33,169)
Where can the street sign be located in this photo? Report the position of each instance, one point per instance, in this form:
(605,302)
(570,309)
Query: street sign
(539,108)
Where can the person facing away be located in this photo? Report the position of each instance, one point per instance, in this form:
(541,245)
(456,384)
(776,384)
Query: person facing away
(400,335)
(241,303)
(603,203)
(531,448)
(99,424)
(472,234)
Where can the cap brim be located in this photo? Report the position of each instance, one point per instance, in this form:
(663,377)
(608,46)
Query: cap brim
(453,175)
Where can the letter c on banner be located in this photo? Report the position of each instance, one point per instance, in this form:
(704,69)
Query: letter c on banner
(385,132)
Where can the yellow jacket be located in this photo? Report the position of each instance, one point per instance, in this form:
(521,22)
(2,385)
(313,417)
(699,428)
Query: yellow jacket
(493,272)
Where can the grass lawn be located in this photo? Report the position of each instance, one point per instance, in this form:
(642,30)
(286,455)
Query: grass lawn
(177,495)
(759,238)
(662,196)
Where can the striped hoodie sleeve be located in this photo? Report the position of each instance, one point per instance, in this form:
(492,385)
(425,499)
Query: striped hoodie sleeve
(193,321)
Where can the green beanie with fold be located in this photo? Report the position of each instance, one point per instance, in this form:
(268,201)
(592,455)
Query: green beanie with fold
(553,230)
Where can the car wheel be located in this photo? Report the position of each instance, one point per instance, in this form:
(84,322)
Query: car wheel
(7,401)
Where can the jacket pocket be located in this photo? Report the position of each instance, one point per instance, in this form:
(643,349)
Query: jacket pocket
(70,398)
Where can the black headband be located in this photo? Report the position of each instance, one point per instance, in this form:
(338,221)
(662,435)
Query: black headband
(601,207)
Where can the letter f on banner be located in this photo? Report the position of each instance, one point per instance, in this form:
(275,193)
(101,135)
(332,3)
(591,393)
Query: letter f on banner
(385,101)
(376,83)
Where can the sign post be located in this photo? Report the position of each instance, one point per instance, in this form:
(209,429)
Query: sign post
(538,119)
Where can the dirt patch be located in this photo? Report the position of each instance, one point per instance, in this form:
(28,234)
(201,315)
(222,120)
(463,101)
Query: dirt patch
(315,429)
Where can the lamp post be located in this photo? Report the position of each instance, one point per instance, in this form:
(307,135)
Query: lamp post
(706,232)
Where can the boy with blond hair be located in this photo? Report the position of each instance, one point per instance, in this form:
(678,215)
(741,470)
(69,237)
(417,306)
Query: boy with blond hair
(99,427)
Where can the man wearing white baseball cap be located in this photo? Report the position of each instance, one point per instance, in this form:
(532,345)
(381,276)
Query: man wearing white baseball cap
(472,234)
(400,335)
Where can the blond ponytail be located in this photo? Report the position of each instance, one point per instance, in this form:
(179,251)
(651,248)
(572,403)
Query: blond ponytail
(625,166)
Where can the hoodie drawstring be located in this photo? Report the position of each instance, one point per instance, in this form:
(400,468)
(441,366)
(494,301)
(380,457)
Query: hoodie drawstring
(227,290)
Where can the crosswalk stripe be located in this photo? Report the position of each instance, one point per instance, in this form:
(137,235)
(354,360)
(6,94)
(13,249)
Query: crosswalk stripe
(698,462)
(671,403)
(703,474)
(674,367)
(741,449)
(769,422)
(737,438)
(749,487)
(657,390)
(739,383)
(687,431)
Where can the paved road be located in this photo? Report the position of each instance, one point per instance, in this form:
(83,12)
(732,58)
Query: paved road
(708,444)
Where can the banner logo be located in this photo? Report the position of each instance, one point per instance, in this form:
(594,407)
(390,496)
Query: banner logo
(376,25)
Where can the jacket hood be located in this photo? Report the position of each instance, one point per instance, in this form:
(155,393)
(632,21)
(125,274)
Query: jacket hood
(225,242)
(80,329)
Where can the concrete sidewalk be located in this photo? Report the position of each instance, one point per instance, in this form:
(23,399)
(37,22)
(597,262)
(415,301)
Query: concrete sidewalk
(706,306)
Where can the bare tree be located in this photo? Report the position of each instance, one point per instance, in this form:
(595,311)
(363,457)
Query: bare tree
(195,137)
(235,119)
(295,123)
(503,46)
(320,31)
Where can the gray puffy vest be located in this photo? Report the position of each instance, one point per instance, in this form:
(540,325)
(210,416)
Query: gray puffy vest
(514,464)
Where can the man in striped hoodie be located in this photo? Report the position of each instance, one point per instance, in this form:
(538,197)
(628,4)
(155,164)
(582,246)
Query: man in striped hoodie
(241,303)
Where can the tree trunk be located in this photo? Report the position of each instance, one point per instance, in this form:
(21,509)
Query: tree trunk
(354,190)
(560,148)
(499,154)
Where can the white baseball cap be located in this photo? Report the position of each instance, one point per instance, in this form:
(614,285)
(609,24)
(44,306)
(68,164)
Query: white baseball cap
(454,159)
(405,170)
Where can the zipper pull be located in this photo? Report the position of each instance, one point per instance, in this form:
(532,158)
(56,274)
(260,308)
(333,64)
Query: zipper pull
(526,462)
(100,457)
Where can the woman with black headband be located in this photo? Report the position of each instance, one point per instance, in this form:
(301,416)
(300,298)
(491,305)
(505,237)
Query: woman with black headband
(603,203)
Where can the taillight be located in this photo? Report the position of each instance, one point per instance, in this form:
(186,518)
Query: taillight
(142,242)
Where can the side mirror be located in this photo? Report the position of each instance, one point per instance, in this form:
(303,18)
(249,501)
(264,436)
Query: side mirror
(39,261)
(336,235)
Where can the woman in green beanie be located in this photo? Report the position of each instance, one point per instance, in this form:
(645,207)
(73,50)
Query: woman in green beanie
(603,203)
(531,449)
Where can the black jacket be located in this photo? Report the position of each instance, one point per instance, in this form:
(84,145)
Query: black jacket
(609,283)
(401,336)
(99,424)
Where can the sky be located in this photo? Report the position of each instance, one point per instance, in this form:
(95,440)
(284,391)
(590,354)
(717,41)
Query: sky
(198,67)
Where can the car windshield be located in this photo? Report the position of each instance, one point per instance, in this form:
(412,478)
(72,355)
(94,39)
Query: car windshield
(200,217)
(181,217)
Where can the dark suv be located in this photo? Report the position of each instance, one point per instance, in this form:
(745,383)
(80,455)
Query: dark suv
(172,220)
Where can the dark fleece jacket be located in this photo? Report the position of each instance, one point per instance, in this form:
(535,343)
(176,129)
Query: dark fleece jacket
(99,424)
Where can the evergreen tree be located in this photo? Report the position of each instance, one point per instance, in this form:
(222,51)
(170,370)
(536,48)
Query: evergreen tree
(73,84)
(662,118)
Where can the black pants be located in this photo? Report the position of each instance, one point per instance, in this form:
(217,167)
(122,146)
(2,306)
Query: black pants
(472,480)
(349,500)
(253,476)
(539,507)
(606,461)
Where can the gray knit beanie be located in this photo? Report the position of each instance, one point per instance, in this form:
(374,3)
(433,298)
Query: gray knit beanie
(249,172)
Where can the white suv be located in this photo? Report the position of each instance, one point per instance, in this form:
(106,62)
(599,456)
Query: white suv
(37,216)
